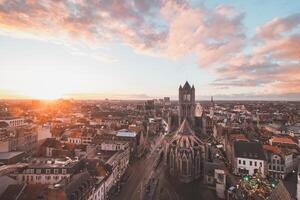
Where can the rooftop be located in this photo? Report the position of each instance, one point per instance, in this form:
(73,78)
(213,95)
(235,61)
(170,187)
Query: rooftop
(52,163)
(250,150)
(125,133)
(285,140)
(9,155)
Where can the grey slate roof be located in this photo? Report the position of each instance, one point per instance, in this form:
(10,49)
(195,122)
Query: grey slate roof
(250,150)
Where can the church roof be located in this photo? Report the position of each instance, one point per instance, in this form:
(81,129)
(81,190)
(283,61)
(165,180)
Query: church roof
(280,193)
(185,128)
(185,137)
(250,150)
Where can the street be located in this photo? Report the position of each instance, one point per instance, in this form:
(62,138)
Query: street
(139,174)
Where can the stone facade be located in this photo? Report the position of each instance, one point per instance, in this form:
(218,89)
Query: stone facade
(187,103)
(185,153)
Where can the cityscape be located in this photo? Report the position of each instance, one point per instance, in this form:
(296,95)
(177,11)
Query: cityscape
(149,100)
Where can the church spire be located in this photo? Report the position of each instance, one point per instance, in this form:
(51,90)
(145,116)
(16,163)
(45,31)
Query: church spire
(187,85)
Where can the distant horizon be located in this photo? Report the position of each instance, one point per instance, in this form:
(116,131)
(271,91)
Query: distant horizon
(171,99)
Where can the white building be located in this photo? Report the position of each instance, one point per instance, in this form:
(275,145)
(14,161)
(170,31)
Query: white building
(279,161)
(249,158)
(220,178)
(74,137)
(47,171)
(112,145)
(14,122)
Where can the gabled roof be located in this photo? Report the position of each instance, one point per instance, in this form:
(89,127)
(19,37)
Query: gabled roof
(185,137)
(185,128)
(280,193)
(284,140)
(250,150)
(272,149)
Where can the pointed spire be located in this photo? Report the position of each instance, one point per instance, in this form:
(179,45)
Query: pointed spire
(187,85)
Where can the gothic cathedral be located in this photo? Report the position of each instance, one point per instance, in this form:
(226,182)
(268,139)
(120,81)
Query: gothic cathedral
(184,151)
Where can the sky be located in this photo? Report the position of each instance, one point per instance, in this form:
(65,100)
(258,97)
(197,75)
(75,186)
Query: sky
(143,49)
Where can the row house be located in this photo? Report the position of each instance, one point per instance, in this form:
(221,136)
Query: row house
(23,138)
(249,158)
(81,186)
(47,171)
(81,136)
(279,161)
(74,136)
(136,140)
(116,165)
(14,121)
(285,142)
(55,148)
(112,145)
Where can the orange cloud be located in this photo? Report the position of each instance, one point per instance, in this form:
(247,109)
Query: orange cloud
(173,29)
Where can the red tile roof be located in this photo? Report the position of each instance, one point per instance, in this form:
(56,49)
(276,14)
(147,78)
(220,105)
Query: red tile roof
(284,140)
(272,149)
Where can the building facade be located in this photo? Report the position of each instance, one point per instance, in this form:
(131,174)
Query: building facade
(47,171)
(184,154)
(249,158)
(280,162)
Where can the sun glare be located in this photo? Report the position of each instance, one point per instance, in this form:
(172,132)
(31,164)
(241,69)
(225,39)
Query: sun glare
(46,95)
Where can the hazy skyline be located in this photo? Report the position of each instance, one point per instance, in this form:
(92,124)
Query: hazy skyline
(144,49)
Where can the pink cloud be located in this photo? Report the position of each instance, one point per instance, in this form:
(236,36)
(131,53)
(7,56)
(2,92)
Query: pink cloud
(96,21)
(276,27)
(212,35)
(174,29)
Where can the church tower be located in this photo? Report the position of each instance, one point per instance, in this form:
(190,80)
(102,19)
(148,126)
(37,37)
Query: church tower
(187,103)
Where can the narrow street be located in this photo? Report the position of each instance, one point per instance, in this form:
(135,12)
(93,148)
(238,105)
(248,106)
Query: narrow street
(139,173)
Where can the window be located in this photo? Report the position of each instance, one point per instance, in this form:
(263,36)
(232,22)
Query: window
(244,162)
(64,171)
(48,177)
(55,171)
(250,163)
(240,162)
(48,171)
(277,161)
(38,171)
(260,164)
(255,163)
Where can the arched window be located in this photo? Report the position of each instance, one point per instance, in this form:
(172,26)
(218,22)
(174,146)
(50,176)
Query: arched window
(198,162)
(172,160)
(184,165)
